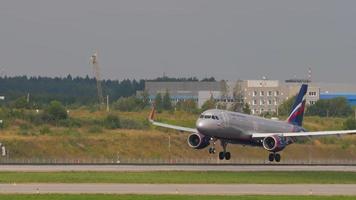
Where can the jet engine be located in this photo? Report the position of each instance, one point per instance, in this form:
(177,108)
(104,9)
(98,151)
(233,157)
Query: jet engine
(274,143)
(198,141)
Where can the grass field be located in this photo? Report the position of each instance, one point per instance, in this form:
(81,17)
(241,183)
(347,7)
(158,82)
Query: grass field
(163,197)
(181,177)
(90,141)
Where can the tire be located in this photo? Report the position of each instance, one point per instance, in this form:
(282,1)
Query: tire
(277,157)
(221,156)
(227,155)
(271,157)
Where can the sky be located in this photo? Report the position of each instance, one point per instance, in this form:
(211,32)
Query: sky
(227,39)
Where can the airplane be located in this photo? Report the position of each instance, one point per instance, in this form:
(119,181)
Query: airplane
(238,128)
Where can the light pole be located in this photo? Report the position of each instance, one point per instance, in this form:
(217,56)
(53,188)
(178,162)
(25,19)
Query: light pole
(2,147)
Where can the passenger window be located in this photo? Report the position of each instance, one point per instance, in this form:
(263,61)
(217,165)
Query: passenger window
(216,117)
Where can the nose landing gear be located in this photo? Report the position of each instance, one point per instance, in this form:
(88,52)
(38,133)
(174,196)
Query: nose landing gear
(274,156)
(212,149)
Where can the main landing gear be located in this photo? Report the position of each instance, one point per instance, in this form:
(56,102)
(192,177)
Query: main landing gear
(274,156)
(224,154)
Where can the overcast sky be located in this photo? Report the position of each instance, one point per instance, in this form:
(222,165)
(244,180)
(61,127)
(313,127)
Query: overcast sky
(228,39)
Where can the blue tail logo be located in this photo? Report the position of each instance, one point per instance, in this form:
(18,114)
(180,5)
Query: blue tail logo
(297,113)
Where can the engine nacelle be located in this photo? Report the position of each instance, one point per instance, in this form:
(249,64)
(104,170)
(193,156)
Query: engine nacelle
(274,143)
(198,141)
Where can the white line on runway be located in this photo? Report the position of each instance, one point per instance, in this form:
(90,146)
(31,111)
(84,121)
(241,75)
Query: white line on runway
(207,189)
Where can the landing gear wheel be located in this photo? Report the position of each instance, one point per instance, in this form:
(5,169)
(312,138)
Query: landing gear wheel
(227,155)
(277,157)
(221,155)
(271,157)
(212,150)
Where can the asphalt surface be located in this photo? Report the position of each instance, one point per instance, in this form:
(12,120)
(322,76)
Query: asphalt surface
(207,189)
(133,168)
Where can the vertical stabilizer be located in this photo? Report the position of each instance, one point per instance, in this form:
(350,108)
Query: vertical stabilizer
(297,112)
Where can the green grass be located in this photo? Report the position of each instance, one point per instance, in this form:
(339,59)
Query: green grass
(181,177)
(162,197)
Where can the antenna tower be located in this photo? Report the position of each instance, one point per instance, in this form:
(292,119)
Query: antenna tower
(96,68)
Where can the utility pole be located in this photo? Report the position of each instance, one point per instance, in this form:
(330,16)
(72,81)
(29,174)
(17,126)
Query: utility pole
(2,147)
(107,104)
(94,62)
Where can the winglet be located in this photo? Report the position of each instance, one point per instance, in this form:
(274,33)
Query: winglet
(152,113)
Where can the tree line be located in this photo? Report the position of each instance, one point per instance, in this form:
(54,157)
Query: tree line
(39,91)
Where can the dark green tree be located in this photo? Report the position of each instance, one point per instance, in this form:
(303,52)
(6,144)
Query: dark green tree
(55,112)
(246,109)
(158,102)
(285,107)
(188,105)
(145,99)
(21,103)
(209,104)
(336,107)
(166,101)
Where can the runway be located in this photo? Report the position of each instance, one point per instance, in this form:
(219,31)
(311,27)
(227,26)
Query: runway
(197,189)
(137,168)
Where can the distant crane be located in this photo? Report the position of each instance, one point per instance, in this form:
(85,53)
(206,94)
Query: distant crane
(95,64)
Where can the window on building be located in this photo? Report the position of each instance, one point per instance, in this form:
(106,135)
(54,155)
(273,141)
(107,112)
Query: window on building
(276,93)
(275,101)
(254,102)
(269,93)
(262,93)
(262,102)
(254,93)
(269,102)
(312,94)
(311,102)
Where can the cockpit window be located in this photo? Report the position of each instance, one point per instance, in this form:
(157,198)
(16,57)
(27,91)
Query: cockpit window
(201,116)
(207,116)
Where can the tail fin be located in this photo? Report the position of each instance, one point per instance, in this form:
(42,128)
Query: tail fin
(297,112)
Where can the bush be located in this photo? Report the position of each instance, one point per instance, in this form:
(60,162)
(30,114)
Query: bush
(25,129)
(55,112)
(132,124)
(128,104)
(70,122)
(350,124)
(112,122)
(95,129)
(45,130)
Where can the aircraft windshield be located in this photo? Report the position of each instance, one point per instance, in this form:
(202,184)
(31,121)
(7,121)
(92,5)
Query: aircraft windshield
(209,117)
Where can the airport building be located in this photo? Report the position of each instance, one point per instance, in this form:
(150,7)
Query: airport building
(261,95)
(181,91)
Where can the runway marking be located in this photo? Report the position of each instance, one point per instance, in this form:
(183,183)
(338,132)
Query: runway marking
(138,168)
(186,189)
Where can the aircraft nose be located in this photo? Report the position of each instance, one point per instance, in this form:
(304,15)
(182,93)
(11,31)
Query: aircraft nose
(204,126)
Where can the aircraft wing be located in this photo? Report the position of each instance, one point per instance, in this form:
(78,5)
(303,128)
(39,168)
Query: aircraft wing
(304,134)
(178,128)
